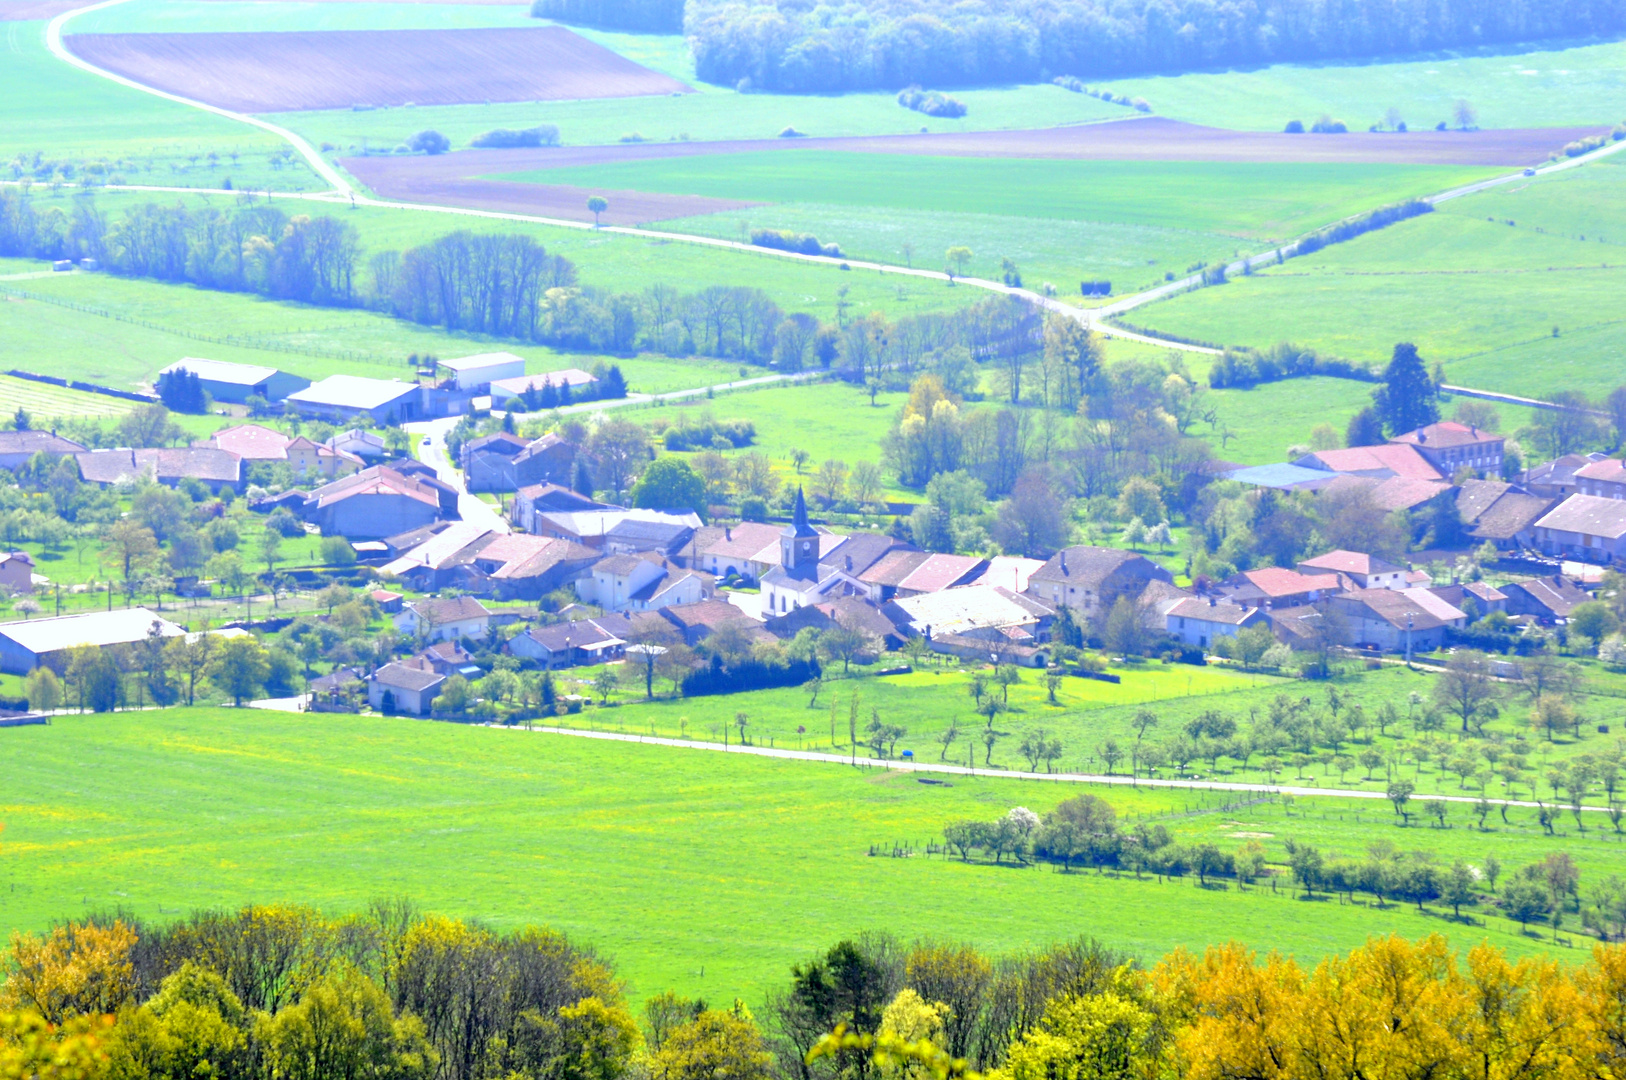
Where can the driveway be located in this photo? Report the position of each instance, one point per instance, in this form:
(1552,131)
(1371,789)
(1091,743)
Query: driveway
(433,454)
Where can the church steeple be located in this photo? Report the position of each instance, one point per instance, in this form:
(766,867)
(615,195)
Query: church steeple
(798,541)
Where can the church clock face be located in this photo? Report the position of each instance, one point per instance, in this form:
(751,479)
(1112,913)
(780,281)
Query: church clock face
(806,547)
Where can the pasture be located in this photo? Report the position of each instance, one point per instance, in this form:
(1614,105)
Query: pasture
(1539,85)
(1509,288)
(58,113)
(45,402)
(294,70)
(702,872)
(1059,221)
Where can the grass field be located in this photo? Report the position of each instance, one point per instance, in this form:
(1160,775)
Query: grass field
(706,873)
(1541,85)
(1482,284)
(1060,221)
(178,321)
(62,113)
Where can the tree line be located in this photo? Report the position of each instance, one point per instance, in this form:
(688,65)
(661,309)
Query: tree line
(271,992)
(794,48)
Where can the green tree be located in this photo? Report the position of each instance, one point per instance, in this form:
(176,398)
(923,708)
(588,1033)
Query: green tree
(1408,398)
(240,668)
(343,1027)
(44,690)
(670,483)
(597,204)
(717,1045)
(1100,1036)
(959,256)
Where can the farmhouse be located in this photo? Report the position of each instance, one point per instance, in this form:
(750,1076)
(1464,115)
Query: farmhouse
(1277,587)
(1395,620)
(1605,479)
(584,641)
(251,442)
(28,644)
(238,382)
(17,447)
(1089,580)
(17,571)
(479,372)
(1200,622)
(1547,599)
(402,688)
(167,465)
(641,583)
(373,503)
(505,462)
(591,527)
(1501,513)
(1557,479)
(514,566)
(341,397)
(1391,493)
(309,458)
(1587,527)
(726,550)
(1380,462)
(1451,447)
(444,620)
(532,499)
(901,574)
(1367,571)
(363,444)
(977,622)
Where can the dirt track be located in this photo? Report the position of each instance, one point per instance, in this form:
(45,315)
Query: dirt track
(1140,139)
(396,178)
(297,70)
(456,179)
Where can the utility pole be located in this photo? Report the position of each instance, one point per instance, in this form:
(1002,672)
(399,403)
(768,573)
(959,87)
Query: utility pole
(1408,639)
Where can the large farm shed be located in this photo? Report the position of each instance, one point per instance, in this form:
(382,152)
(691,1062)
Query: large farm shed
(478,372)
(340,397)
(28,644)
(238,382)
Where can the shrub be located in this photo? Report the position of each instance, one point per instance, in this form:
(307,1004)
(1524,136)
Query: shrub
(704,435)
(930,102)
(1328,126)
(801,243)
(336,551)
(1095,288)
(429,141)
(1243,368)
(283,522)
(506,138)
(1294,127)
(791,133)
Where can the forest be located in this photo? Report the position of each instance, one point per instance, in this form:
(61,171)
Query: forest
(795,47)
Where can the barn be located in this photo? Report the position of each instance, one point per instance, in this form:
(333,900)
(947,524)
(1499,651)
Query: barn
(28,644)
(238,382)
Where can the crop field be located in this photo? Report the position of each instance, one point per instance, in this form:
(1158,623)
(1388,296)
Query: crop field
(44,401)
(700,872)
(1509,288)
(292,70)
(1533,86)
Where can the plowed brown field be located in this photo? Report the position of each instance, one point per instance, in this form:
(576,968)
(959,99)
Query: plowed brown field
(298,70)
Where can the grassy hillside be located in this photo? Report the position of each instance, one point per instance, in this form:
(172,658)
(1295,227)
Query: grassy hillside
(1544,84)
(50,108)
(1510,288)
(702,872)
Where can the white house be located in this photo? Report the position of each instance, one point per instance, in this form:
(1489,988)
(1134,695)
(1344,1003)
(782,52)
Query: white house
(640,583)
(444,620)
(1199,622)
(400,688)
(474,372)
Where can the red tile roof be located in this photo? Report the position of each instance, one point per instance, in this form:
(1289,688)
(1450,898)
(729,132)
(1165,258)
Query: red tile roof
(1447,433)
(1276,581)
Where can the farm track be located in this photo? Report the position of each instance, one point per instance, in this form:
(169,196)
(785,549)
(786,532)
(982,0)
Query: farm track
(934,768)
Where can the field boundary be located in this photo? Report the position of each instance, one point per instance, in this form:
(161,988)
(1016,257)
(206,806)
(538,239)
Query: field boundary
(89,388)
(852,760)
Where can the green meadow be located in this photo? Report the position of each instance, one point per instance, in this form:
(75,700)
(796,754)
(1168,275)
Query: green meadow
(1513,289)
(53,109)
(1257,202)
(702,872)
(1543,84)
(1060,221)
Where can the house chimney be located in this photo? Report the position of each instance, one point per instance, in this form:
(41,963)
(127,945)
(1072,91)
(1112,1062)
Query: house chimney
(728,532)
(1064,563)
(849,563)
(1212,600)
(1422,436)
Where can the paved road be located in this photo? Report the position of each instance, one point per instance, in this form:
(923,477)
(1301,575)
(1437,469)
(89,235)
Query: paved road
(433,453)
(941,768)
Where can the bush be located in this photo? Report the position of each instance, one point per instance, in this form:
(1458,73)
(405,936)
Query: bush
(791,133)
(704,434)
(1095,288)
(1328,126)
(1243,368)
(1294,127)
(747,675)
(429,141)
(283,522)
(801,243)
(336,551)
(506,138)
(930,102)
